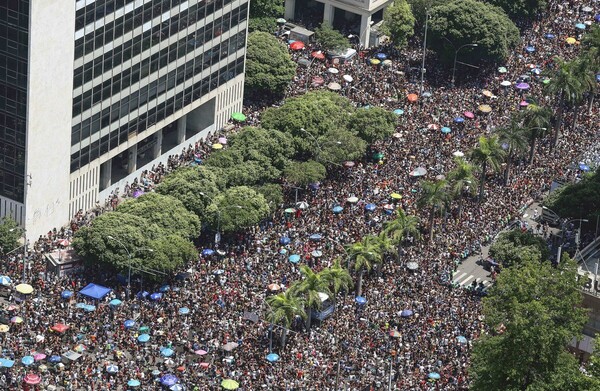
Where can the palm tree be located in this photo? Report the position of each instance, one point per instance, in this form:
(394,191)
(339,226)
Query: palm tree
(338,278)
(402,226)
(590,55)
(461,179)
(567,88)
(536,120)
(436,197)
(514,141)
(365,255)
(283,309)
(309,288)
(488,153)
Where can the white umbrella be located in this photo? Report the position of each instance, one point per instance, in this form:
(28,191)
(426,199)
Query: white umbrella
(334,86)
(458,154)
(302,205)
(112,368)
(352,200)
(412,266)
(333,70)
(506,83)
(348,78)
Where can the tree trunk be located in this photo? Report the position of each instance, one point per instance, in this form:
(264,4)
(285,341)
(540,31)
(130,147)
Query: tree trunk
(532,150)
(431,222)
(591,105)
(507,170)
(283,337)
(575,115)
(482,181)
(360,281)
(460,205)
(309,319)
(559,118)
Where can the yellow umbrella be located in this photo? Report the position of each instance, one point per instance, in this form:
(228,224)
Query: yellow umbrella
(375,61)
(4,328)
(230,384)
(396,196)
(570,40)
(487,93)
(484,108)
(217,146)
(24,289)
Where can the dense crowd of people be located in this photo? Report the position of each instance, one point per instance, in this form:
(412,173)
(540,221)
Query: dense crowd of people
(223,333)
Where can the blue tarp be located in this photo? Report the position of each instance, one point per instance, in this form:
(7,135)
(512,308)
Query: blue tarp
(95,291)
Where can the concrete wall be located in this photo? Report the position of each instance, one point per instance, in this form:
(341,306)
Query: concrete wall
(50,91)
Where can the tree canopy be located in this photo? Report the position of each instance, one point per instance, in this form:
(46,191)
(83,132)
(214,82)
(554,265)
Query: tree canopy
(462,22)
(521,8)
(338,145)
(373,124)
(330,39)
(515,246)
(9,240)
(398,22)
(167,212)
(303,173)
(577,200)
(273,144)
(236,208)
(534,309)
(269,67)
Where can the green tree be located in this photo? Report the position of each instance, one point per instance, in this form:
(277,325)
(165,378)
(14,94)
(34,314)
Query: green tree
(316,112)
(166,212)
(488,153)
(269,67)
(513,139)
(236,208)
(303,173)
(539,309)
(521,8)
(283,310)
(373,124)
(309,288)
(536,120)
(187,185)
(566,86)
(462,22)
(9,235)
(330,39)
(514,247)
(419,8)
(338,145)
(253,143)
(435,196)
(273,194)
(462,179)
(400,227)
(398,22)
(241,172)
(364,255)
(338,278)
(264,14)
(170,253)
(577,200)
(265,24)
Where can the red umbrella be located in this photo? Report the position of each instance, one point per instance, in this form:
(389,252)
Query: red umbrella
(412,97)
(297,45)
(318,80)
(318,55)
(32,378)
(60,327)
(469,114)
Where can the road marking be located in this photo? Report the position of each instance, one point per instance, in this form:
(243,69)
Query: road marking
(464,282)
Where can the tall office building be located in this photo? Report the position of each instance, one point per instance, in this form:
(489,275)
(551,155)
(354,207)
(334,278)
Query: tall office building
(92,92)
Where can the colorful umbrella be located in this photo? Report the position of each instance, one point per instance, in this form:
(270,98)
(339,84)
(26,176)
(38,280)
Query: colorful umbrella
(505,83)
(360,300)
(370,207)
(352,200)
(297,45)
(16,319)
(580,26)
(398,111)
(184,311)
(39,356)
(446,130)
(66,294)
(80,348)
(396,196)
(570,40)
(487,93)
(32,378)
(115,302)
(459,120)
(156,296)
(168,380)
(337,209)
(484,108)
(54,359)
(143,338)
(461,339)
(469,114)
(530,49)
(200,352)
(238,117)
(230,384)
(434,376)
(375,61)
(24,289)
(549,36)
(381,56)
(129,323)
(522,86)
(333,86)
(395,334)
(133,383)
(60,327)
(318,55)
(4,328)
(412,97)
(284,240)
(315,237)
(112,368)
(167,352)
(294,258)
(406,313)
(272,357)
(5,280)
(502,70)
(348,78)
(27,360)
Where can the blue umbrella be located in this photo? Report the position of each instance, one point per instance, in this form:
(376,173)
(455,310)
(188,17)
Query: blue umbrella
(272,357)
(143,294)
(129,323)
(360,300)
(434,376)
(398,111)
(115,302)
(406,313)
(89,308)
(156,296)
(176,387)
(164,288)
(5,363)
(27,360)
(66,294)
(184,311)
(112,368)
(597,18)
(549,36)
(584,167)
(207,251)
(337,209)
(370,207)
(54,359)
(530,49)
(168,380)
(459,120)
(446,130)
(314,186)
(580,26)
(284,240)
(294,258)
(381,56)
(167,352)
(283,251)
(461,339)
(315,237)
(5,280)
(80,305)
(143,338)
(133,383)
(155,372)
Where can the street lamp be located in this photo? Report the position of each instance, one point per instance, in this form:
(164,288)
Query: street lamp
(24,233)
(130,256)
(456,55)
(424,55)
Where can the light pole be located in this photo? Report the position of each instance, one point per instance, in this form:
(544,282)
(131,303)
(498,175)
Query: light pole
(130,256)
(424,55)
(24,236)
(456,56)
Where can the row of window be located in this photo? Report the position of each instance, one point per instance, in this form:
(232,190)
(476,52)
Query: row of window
(96,10)
(148,93)
(12,185)
(120,26)
(158,113)
(138,44)
(157,61)
(12,158)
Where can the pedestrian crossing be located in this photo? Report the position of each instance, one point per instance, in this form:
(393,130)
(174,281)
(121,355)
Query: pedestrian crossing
(464,279)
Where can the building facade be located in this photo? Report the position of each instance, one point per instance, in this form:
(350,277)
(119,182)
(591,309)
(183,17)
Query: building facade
(93,92)
(351,15)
